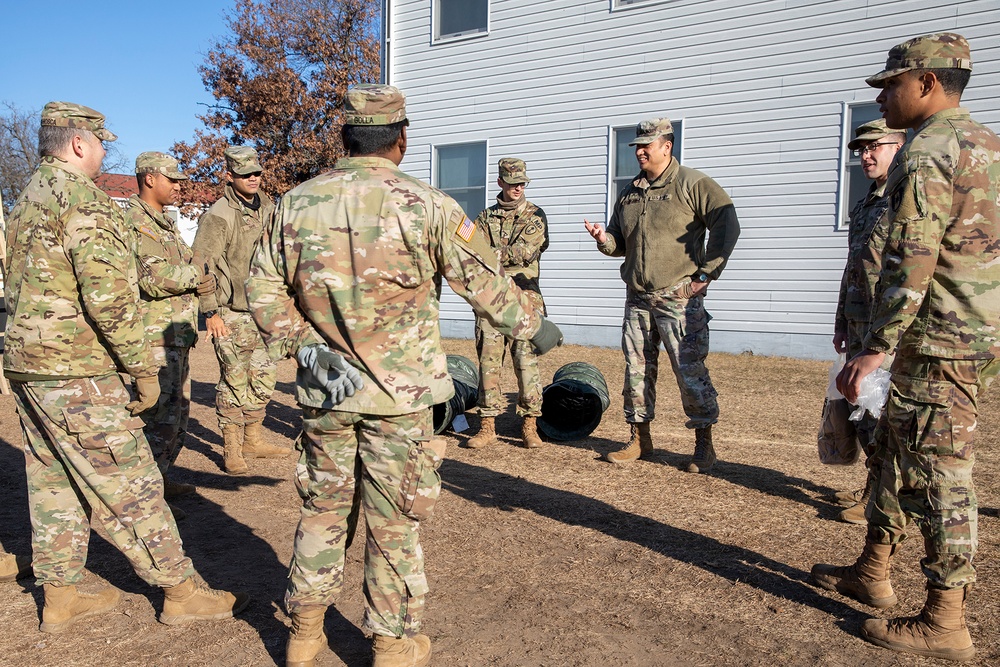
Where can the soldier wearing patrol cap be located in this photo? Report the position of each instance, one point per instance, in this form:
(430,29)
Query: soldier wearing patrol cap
(168,287)
(227,235)
(659,225)
(518,232)
(74,324)
(876,144)
(936,307)
(346,280)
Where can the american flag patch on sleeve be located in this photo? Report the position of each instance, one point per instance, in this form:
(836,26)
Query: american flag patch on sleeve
(466,230)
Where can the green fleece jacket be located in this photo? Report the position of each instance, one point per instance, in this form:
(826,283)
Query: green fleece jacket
(660,229)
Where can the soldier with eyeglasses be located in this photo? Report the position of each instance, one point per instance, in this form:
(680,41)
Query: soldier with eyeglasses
(876,144)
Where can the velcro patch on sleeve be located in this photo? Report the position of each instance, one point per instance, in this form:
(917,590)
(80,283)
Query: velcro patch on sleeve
(466,230)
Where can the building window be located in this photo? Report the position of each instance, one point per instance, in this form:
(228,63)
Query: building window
(461,172)
(623,165)
(460,18)
(625,4)
(853,183)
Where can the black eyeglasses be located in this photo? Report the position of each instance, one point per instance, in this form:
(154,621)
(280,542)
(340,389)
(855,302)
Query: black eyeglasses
(870,148)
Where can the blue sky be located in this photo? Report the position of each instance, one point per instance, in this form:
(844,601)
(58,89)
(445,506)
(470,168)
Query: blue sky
(135,62)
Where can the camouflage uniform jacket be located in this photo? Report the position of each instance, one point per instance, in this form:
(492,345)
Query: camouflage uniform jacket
(227,235)
(354,259)
(167,278)
(519,236)
(660,229)
(865,243)
(939,290)
(72,291)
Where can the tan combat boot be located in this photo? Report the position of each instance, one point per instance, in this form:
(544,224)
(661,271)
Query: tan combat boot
(529,433)
(401,652)
(232,452)
(172,489)
(487,435)
(704,453)
(938,632)
(866,581)
(848,498)
(639,445)
(254,446)
(307,637)
(856,513)
(65,604)
(14,567)
(192,600)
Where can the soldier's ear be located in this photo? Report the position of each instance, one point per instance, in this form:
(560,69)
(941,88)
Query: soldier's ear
(402,141)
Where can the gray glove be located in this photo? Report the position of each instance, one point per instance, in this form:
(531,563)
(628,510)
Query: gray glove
(330,371)
(547,337)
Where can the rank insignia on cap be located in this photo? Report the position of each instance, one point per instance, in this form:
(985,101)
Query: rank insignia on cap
(466,230)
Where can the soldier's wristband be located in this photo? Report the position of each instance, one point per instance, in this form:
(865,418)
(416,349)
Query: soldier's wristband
(209,314)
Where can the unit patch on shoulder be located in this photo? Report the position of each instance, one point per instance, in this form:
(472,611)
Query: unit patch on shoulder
(466,230)
(148,231)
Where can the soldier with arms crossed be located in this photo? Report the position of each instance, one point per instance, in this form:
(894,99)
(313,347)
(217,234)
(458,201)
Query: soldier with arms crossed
(938,308)
(518,231)
(168,288)
(347,280)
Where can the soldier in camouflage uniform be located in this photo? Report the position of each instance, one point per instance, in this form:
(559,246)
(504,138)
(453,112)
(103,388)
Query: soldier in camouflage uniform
(659,225)
(876,145)
(938,307)
(227,235)
(74,323)
(168,285)
(347,280)
(518,231)
(11,566)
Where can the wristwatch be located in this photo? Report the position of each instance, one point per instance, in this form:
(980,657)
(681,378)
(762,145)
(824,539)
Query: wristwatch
(209,314)
(702,277)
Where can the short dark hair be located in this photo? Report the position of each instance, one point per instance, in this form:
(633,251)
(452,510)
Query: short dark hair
(952,79)
(372,139)
(669,137)
(55,140)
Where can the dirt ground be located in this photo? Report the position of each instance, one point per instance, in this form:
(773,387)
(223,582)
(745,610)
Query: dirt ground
(546,557)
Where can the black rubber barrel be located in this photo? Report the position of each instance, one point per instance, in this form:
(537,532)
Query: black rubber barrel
(572,406)
(465,376)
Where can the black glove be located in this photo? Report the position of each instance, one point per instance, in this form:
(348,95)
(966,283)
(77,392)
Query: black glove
(547,337)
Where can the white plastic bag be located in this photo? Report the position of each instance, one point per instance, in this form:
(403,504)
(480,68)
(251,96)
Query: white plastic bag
(831,389)
(872,394)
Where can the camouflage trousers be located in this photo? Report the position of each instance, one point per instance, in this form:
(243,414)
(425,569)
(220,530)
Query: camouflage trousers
(491,346)
(856,332)
(682,326)
(86,459)
(925,444)
(247,374)
(166,422)
(385,466)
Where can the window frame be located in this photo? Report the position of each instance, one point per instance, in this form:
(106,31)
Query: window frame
(435,169)
(437,38)
(844,200)
(619,6)
(680,125)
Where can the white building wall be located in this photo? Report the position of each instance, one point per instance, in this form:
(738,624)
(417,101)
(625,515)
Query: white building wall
(761,88)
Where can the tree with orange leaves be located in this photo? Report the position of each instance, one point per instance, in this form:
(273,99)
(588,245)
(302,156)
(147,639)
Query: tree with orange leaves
(278,81)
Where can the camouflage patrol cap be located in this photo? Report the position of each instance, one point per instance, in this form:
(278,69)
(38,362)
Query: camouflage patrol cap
(870,132)
(374,104)
(77,116)
(649,131)
(153,162)
(242,160)
(943,50)
(513,171)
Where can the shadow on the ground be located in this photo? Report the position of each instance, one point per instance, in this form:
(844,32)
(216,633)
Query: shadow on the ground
(489,488)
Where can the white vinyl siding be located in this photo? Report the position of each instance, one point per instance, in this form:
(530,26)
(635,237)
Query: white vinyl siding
(763,85)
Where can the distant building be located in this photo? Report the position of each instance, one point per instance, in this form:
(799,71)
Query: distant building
(763,96)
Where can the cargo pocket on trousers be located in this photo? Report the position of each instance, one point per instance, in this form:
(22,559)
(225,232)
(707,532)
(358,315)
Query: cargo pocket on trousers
(420,485)
(919,413)
(105,433)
